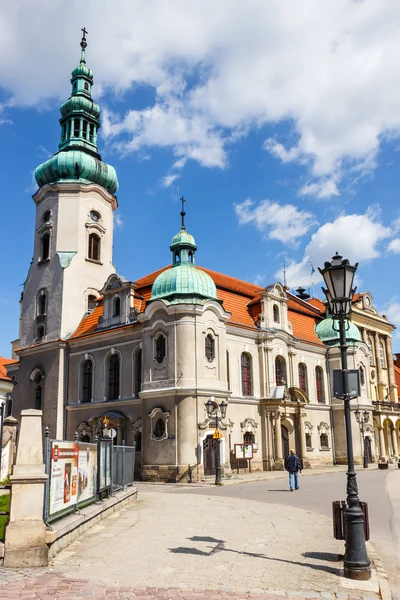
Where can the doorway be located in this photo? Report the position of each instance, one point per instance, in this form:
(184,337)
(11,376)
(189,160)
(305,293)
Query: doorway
(285,441)
(209,452)
(368,449)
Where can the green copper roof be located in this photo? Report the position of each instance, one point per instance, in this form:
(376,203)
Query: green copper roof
(329,336)
(183,283)
(78,158)
(183,237)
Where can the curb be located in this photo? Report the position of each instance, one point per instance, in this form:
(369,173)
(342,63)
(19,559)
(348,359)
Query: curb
(383,581)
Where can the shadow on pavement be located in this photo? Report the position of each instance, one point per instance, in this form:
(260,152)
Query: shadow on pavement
(219,546)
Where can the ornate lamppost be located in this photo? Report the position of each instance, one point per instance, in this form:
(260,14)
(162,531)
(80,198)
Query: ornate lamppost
(339,276)
(362,419)
(215,410)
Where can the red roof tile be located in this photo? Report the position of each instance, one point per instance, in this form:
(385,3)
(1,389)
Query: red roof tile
(397,375)
(317,303)
(3,363)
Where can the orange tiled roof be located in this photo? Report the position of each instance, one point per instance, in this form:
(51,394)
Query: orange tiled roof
(317,303)
(3,363)
(240,298)
(397,375)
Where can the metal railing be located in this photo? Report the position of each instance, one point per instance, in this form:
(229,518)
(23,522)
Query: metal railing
(123,466)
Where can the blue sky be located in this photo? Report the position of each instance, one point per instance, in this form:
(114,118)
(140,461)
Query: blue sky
(279,122)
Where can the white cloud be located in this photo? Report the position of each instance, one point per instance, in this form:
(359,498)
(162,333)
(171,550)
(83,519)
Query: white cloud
(118,222)
(168,180)
(322,189)
(394,246)
(179,164)
(329,70)
(285,223)
(356,237)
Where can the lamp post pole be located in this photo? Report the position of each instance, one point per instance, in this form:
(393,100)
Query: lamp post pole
(213,409)
(338,277)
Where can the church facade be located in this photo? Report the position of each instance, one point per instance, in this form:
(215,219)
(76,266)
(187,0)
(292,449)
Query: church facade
(146,355)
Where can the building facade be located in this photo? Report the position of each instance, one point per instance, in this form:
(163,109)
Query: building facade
(148,354)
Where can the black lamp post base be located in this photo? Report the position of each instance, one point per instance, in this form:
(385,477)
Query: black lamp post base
(357,573)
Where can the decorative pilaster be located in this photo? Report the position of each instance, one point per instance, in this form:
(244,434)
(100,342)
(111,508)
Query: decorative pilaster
(302,434)
(394,442)
(393,396)
(382,448)
(278,463)
(378,367)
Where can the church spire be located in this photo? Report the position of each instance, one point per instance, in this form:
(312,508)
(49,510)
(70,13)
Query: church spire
(83,44)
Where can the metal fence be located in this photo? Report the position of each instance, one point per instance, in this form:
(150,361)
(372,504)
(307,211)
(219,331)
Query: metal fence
(123,466)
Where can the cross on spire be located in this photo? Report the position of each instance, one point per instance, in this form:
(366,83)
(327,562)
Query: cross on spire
(183,213)
(83,43)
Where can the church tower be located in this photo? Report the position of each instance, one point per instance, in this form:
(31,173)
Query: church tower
(75,202)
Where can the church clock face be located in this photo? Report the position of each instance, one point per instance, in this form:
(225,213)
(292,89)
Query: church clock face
(367,302)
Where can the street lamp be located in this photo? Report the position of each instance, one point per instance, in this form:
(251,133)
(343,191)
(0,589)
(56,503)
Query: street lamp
(339,276)
(362,419)
(213,409)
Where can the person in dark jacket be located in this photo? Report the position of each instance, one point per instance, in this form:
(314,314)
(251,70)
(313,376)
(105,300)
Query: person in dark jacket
(293,465)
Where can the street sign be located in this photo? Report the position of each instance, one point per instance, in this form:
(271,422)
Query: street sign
(217,435)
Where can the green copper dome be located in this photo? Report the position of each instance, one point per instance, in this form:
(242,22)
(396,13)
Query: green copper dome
(78,158)
(183,283)
(329,336)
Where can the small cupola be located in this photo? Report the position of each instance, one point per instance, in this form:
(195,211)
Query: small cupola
(183,246)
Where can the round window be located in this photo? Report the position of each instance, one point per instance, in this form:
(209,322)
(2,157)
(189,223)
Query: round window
(94,215)
(159,428)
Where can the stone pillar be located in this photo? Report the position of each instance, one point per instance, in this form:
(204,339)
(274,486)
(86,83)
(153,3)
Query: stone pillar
(25,535)
(10,438)
(278,464)
(382,448)
(394,442)
(393,396)
(378,367)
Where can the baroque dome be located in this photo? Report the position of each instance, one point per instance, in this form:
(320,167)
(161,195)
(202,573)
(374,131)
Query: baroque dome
(183,283)
(328,335)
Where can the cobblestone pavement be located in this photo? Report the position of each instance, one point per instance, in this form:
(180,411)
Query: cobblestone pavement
(20,585)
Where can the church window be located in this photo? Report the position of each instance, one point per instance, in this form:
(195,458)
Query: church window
(91,302)
(138,372)
(76,127)
(371,353)
(45,247)
(91,132)
(87,381)
(210,347)
(159,348)
(46,216)
(247,377)
(37,380)
(177,257)
(276,313)
(159,428)
(303,377)
(280,370)
(40,332)
(382,355)
(249,438)
(86,86)
(190,256)
(308,441)
(319,380)
(362,375)
(117,306)
(63,132)
(324,441)
(228,371)
(95,216)
(113,376)
(41,304)
(94,247)
(9,407)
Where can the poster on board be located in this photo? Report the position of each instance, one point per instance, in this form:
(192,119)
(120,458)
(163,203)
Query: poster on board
(87,471)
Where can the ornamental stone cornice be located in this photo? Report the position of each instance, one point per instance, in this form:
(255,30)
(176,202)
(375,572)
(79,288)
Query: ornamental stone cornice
(72,187)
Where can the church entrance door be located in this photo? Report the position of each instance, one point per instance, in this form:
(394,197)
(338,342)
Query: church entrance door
(209,450)
(368,449)
(285,441)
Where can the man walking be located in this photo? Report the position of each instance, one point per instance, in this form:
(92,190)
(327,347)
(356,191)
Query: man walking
(293,465)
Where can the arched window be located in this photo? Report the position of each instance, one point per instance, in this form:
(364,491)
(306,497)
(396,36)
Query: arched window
(117,306)
(177,257)
(45,246)
(138,372)
(276,313)
(94,247)
(87,381)
(46,216)
(91,302)
(159,348)
(41,303)
(9,407)
(319,380)
(382,355)
(159,428)
(362,375)
(190,256)
(210,347)
(40,332)
(247,377)
(37,380)
(249,438)
(280,370)
(308,441)
(113,377)
(371,353)
(228,371)
(303,377)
